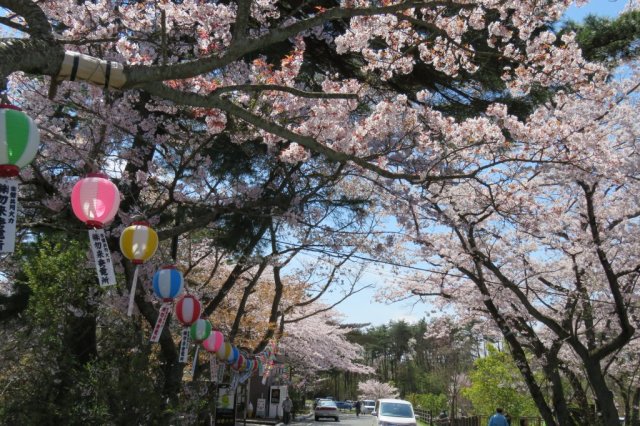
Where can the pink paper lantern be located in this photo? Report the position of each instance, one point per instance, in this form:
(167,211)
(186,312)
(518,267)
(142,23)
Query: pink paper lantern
(95,200)
(213,342)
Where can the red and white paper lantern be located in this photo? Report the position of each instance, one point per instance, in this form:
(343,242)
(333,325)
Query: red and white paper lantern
(188,310)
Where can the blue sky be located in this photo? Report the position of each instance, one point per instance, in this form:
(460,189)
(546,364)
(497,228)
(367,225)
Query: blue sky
(361,308)
(609,8)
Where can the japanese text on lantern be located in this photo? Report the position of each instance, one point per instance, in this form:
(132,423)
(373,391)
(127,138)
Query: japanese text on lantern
(102,256)
(8,211)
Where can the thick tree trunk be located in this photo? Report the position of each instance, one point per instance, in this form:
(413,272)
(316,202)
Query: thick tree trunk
(626,396)
(607,411)
(635,410)
(534,388)
(33,56)
(558,395)
(585,415)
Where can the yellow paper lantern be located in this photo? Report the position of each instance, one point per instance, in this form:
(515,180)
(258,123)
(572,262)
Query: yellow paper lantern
(225,351)
(138,242)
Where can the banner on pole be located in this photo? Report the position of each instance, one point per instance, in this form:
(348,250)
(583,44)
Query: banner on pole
(165,309)
(102,257)
(8,214)
(184,346)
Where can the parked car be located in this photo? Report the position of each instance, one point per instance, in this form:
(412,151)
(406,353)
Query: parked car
(315,402)
(326,408)
(344,405)
(395,412)
(368,405)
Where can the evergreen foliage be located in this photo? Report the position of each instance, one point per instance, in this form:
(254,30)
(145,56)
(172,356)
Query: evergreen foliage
(608,40)
(68,360)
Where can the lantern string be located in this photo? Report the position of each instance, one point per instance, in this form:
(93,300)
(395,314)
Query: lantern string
(132,293)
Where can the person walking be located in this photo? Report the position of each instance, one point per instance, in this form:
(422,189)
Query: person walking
(358,407)
(287,405)
(498,419)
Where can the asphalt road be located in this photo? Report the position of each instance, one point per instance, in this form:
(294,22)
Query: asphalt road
(346,419)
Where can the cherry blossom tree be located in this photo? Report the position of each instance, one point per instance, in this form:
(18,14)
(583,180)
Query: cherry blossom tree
(319,343)
(373,389)
(504,156)
(549,247)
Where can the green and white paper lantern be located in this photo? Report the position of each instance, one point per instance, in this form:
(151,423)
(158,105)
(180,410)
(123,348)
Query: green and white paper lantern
(19,141)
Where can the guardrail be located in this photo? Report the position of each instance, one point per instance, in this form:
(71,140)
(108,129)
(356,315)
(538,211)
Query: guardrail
(432,419)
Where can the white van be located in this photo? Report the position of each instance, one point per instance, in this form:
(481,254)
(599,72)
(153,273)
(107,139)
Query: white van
(368,405)
(396,412)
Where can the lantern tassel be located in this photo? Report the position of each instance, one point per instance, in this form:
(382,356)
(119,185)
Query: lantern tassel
(132,294)
(195,362)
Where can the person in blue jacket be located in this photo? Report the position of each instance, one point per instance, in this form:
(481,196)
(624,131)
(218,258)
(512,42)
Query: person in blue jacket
(498,419)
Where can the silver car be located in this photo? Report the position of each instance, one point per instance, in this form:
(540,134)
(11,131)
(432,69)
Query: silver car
(368,405)
(326,408)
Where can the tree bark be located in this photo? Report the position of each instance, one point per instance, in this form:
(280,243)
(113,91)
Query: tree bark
(586,413)
(607,411)
(635,408)
(560,406)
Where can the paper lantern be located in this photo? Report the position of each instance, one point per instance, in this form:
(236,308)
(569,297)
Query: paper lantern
(213,342)
(168,283)
(95,200)
(188,310)
(138,242)
(200,330)
(233,356)
(224,351)
(240,363)
(19,140)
